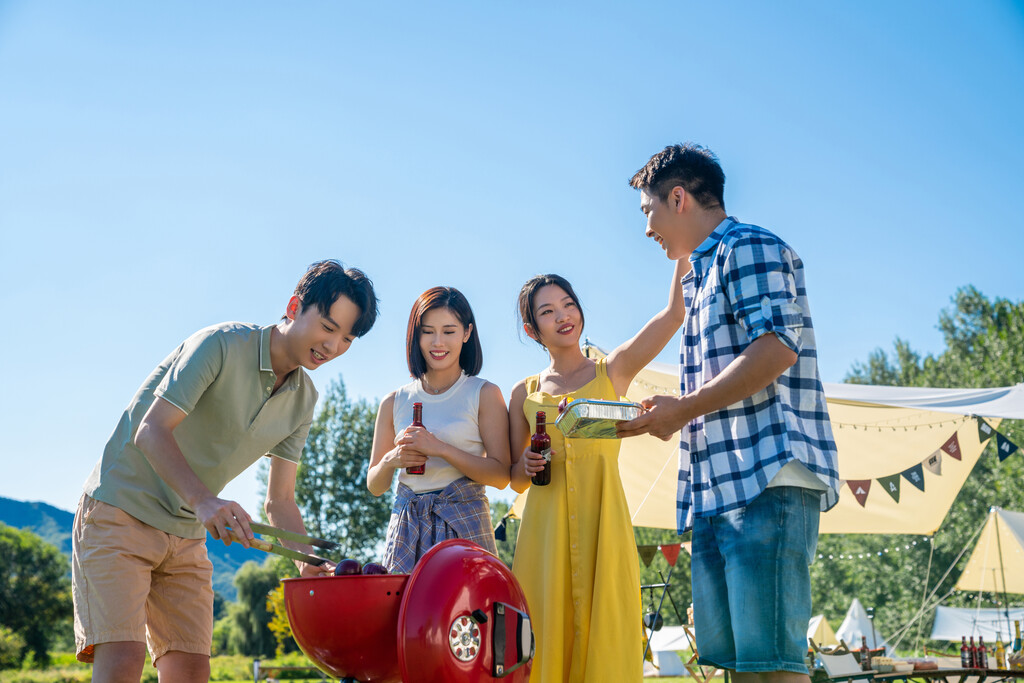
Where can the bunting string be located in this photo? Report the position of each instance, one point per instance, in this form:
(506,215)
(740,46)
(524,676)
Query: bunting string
(891,483)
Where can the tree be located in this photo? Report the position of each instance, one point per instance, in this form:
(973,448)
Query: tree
(330,488)
(250,634)
(35,592)
(984,348)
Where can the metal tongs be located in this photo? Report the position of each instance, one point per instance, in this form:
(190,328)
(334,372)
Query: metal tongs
(286,535)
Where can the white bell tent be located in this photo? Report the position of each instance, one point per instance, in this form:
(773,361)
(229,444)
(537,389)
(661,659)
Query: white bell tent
(856,626)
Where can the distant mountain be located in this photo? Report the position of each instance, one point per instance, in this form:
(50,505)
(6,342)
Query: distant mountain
(54,526)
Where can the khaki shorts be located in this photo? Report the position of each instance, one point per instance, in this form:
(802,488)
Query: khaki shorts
(132,582)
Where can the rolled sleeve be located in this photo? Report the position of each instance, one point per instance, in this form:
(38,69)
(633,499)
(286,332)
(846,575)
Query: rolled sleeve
(759,282)
(193,369)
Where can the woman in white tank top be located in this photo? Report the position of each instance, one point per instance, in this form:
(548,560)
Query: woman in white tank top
(462,444)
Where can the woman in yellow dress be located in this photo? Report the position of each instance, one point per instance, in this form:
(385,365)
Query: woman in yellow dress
(575,556)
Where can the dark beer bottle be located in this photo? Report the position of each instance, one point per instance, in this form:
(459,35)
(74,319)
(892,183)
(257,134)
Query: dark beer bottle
(417,421)
(865,654)
(540,442)
(974,655)
(965,654)
(982,661)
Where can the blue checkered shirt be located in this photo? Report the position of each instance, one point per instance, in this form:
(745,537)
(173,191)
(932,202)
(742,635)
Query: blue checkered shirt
(746,282)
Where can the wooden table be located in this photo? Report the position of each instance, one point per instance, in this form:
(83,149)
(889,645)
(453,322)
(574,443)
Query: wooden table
(954,675)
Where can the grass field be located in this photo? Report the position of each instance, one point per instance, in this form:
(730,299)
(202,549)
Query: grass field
(225,669)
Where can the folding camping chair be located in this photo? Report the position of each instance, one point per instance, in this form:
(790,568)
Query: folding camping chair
(652,620)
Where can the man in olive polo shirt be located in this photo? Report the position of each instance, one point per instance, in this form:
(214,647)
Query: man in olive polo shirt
(227,396)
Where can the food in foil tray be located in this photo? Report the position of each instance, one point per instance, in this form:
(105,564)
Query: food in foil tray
(587,418)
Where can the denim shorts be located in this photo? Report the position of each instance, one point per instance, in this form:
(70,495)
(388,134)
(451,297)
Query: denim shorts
(751,582)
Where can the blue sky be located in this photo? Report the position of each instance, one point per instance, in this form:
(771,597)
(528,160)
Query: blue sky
(164,167)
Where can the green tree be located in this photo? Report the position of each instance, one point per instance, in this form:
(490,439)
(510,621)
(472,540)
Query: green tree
(984,348)
(12,648)
(250,634)
(330,487)
(35,592)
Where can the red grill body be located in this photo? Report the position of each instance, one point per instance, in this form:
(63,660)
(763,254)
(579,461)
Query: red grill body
(460,615)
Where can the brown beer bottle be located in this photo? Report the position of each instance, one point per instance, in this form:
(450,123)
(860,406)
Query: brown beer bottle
(974,654)
(417,421)
(965,654)
(865,654)
(982,661)
(540,442)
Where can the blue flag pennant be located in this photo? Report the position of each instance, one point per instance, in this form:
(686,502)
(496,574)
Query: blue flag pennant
(915,475)
(1005,447)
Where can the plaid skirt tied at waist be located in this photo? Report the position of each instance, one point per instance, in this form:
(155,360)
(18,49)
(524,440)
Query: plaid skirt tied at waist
(421,521)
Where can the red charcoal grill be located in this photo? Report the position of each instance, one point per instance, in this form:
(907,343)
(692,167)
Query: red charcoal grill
(460,615)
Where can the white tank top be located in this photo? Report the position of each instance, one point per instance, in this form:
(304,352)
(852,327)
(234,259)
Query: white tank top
(453,417)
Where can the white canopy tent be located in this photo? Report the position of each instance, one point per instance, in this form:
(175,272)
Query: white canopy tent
(953,623)
(856,625)
(916,445)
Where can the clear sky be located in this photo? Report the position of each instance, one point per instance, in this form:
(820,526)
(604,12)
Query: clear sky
(167,166)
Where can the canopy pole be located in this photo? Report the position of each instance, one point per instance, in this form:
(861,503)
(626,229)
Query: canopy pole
(924,594)
(1002,570)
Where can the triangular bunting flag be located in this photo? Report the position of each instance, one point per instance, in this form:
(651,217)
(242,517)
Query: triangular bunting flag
(646,553)
(671,553)
(1005,447)
(860,488)
(985,430)
(915,475)
(934,463)
(952,446)
(891,486)
(499,531)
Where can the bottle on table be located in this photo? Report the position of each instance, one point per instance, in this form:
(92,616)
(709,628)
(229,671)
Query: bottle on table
(965,654)
(1000,652)
(1018,652)
(865,654)
(973,655)
(417,421)
(540,443)
(982,661)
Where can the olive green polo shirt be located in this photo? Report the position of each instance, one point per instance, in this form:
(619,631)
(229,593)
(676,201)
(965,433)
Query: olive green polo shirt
(221,378)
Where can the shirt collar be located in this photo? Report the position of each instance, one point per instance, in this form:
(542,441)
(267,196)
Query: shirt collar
(265,334)
(295,377)
(700,255)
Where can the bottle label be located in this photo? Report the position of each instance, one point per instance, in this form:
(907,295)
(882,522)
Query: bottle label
(546,454)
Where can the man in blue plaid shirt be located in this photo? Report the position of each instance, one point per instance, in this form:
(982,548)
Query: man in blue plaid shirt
(757,459)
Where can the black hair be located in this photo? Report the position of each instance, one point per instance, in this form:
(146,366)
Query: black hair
(327,280)
(693,167)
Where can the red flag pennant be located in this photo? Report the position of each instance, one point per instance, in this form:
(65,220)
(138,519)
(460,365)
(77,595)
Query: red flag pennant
(671,553)
(860,488)
(952,446)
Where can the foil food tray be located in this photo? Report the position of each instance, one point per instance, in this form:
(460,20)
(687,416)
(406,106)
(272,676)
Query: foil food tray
(587,418)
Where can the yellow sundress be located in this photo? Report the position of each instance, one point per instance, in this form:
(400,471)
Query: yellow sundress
(576,558)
